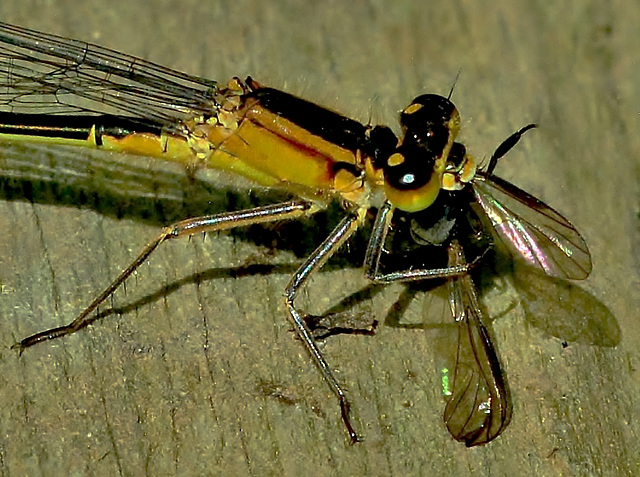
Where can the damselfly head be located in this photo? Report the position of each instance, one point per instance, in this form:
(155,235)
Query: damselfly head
(413,172)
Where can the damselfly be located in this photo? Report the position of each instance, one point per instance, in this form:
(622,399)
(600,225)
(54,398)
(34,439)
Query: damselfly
(64,91)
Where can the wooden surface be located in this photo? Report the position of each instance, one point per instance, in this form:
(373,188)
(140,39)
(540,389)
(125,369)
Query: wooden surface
(199,372)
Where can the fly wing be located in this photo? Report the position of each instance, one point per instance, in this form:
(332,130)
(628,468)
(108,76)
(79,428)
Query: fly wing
(531,229)
(48,74)
(479,406)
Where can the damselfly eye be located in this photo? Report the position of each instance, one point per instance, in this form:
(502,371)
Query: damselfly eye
(431,123)
(412,177)
(426,110)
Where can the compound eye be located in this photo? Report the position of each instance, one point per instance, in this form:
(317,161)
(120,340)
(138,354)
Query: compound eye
(412,179)
(426,110)
(407,171)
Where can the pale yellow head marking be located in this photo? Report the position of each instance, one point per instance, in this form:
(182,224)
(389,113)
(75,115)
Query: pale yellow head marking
(412,108)
(395,159)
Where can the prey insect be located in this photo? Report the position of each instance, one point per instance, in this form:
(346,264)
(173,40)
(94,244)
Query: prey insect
(63,91)
(478,407)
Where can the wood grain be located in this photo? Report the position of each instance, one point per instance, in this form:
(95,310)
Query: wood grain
(199,372)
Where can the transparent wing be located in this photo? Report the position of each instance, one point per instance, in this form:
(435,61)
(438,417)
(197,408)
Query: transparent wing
(479,406)
(531,229)
(48,74)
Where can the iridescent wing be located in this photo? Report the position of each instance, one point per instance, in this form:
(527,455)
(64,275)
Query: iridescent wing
(531,229)
(479,406)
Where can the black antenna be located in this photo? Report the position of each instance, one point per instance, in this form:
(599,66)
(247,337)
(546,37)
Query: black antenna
(454,84)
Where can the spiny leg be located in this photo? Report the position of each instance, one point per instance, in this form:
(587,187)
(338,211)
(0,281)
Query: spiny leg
(318,258)
(184,228)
